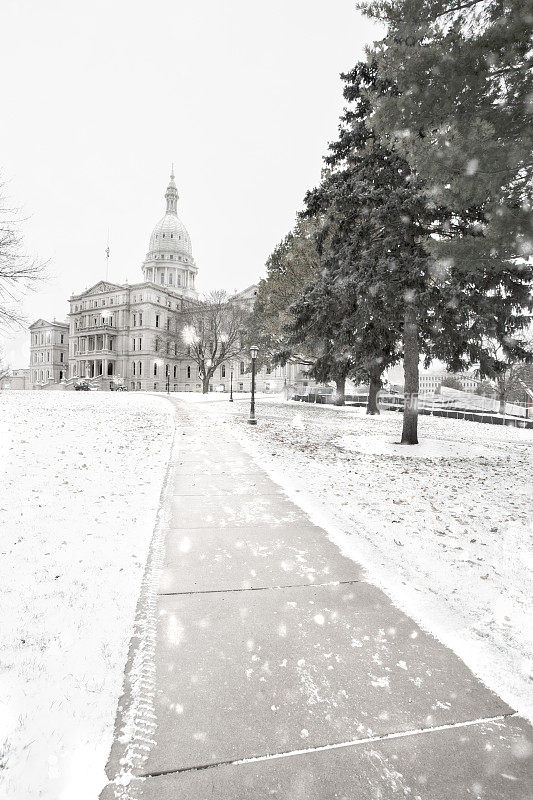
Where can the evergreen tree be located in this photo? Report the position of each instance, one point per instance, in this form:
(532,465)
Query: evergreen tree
(462,105)
(455,99)
(376,253)
(294,264)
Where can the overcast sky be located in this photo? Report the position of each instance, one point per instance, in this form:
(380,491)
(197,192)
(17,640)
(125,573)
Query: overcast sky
(99,98)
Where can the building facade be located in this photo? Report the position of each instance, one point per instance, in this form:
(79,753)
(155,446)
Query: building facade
(48,353)
(15,379)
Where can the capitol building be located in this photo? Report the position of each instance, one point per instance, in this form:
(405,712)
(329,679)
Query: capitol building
(131,334)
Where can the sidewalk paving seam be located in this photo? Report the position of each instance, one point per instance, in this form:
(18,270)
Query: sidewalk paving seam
(333,746)
(227,495)
(262,588)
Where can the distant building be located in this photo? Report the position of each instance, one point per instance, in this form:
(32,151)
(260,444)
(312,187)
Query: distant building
(48,353)
(15,379)
(430,381)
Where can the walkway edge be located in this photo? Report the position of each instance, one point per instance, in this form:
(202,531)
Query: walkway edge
(135,720)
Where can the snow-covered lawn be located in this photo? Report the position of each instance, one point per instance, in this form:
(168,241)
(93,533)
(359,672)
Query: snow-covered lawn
(80,479)
(444,527)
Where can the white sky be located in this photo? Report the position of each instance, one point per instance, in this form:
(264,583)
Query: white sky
(99,98)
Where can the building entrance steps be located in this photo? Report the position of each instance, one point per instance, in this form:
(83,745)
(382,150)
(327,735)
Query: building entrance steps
(267,646)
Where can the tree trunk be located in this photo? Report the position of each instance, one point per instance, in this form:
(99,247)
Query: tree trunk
(205,384)
(410,368)
(340,384)
(373,389)
(502,405)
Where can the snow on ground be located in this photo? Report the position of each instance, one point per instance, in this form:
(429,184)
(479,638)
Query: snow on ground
(81,475)
(445,528)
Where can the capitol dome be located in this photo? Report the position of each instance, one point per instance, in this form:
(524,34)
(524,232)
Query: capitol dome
(169,261)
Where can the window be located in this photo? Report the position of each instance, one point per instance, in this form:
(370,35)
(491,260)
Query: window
(61,357)
(155,369)
(172,259)
(134,320)
(156,345)
(168,348)
(48,355)
(175,371)
(242,368)
(167,371)
(155,384)
(179,279)
(188,372)
(171,235)
(157,320)
(241,387)
(140,318)
(162,278)
(134,340)
(133,365)
(140,343)
(170,278)
(62,339)
(223,371)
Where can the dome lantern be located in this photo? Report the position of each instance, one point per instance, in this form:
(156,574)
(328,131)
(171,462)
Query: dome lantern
(171,195)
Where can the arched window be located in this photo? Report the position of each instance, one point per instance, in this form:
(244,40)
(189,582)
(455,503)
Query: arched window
(155,369)
(188,372)
(140,368)
(175,371)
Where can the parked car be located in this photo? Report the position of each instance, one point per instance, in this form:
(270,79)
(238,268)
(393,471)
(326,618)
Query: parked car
(121,389)
(82,386)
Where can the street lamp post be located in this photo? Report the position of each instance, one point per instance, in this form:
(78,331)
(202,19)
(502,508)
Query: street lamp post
(168,382)
(253,352)
(231,382)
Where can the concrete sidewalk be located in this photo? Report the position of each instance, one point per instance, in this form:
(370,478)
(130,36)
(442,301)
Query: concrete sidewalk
(265,666)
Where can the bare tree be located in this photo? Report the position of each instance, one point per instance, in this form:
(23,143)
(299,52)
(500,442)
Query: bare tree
(18,271)
(507,369)
(4,366)
(212,332)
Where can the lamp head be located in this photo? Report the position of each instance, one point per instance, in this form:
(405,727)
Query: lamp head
(254,351)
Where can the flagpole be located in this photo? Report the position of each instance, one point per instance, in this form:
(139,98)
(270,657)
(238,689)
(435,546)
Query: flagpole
(107,257)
